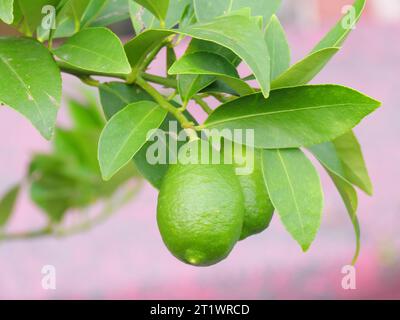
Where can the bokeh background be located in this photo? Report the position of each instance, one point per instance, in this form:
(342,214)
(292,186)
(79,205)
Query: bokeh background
(124,258)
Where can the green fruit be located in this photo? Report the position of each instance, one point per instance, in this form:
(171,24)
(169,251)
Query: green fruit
(258,207)
(200,212)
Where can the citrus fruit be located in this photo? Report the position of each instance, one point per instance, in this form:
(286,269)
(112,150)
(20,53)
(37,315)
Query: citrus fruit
(200,212)
(258,207)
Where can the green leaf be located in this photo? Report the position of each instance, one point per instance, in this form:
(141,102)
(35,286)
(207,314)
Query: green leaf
(332,161)
(179,12)
(295,117)
(79,147)
(278,46)
(197,45)
(219,87)
(126,133)
(350,199)
(339,33)
(55,189)
(7,11)
(204,63)
(189,85)
(171,59)
(157,7)
(295,190)
(93,9)
(85,117)
(95,49)
(230,32)
(305,70)
(233,33)
(207,63)
(115,96)
(31,82)
(209,9)
(7,204)
(139,47)
(344,158)
(113,12)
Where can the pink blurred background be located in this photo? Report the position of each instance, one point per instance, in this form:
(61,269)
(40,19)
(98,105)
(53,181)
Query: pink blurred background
(125,257)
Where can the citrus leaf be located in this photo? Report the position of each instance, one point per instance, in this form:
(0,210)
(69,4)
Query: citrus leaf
(189,85)
(207,63)
(197,45)
(7,204)
(114,11)
(350,199)
(114,97)
(126,133)
(331,161)
(344,158)
(204,63)
(30,82)
(7,11)
(295,117)
(139,47)
(305,70)
(95,49)
(341,30)
(85,117)
(170,60)
(92,10)
(233,33)
(278,47)
(295,190)
(179,12)
(157,7)
(209,9)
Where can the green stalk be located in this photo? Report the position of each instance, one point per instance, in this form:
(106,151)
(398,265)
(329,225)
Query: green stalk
(160,99)
(202,104)
(168,83)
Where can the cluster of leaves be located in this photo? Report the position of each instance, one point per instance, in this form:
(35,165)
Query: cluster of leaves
(69,177)
(286,114)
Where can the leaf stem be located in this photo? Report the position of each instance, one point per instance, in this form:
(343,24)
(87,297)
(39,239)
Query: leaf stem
(202,104)
(169,83)
(73,71)
(160,99)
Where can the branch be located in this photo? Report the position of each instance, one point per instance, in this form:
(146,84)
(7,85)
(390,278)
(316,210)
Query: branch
(51,230)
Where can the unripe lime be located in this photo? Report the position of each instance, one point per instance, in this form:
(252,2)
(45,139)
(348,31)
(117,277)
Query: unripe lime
(200,212)
(258,207)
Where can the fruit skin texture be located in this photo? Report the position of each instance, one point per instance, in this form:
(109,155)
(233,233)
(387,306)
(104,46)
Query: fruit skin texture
(200,212)
(258,207)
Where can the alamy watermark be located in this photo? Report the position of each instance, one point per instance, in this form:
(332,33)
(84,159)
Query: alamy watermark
(350,17)
(49,280)
(349,280)
(214,147)
(49,20)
